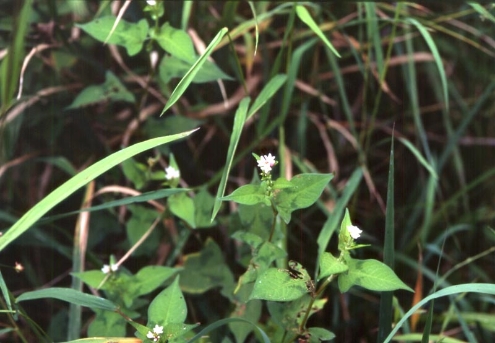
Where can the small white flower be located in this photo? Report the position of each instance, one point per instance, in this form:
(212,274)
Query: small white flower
(155,335)
(354,231)
(151,2)
(158,329)
(266,162)
(107,268)
(171,173)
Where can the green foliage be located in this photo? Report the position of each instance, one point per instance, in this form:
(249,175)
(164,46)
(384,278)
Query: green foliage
(317,95)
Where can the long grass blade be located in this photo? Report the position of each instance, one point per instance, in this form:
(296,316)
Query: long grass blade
(76,182)
(191,73)
(239,120)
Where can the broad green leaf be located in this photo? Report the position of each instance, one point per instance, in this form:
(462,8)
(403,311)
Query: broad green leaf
(239,120)
(141,220)
(257,219)
(205,270)
(135,172)
(176,42)
(251,312)
(306,18)
(277,285)
(187,79)
(107,323)
(158,127)
(183,207)
(92,278)
(305,190)
(290,315)
(148,279)
(267,93)
(329,265)
(249,195)
(370,274)
(69,295)
(76,182)
(129,35)
(111,90)
(203,205)
(249,238)
(320,335)
(281,183)
(172,67)
(482,288)
(169,306)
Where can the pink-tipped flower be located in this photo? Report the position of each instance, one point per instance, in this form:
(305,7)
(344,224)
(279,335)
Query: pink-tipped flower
(266,163)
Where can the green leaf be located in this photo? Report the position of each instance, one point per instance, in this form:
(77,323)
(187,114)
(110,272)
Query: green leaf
(329,265)
(183,207)
(289,316)
(104,340)
(417,337)
(108,324)
(129,35)
(239,120)
(187,79)
(172,67)
(111,90)
(306,18)
(92,278)
(205,270)
(257,219)
(176,42)
(76,182)
(249,195)
(135,172)
(277,285)
(318,335)
(221,322)
(169,306)
(305,190)
(251,312)
(148,279)
(419,157)
(69,295)
(483,288)
(203,205)
(370,274)
(267,93)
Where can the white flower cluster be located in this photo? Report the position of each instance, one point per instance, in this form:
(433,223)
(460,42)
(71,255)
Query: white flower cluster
(155,334)
(108,268)
(266,163)
(171,173)
(354,231)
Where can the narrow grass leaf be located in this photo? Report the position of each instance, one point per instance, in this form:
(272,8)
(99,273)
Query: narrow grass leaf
(188,78)
(239,120)
(482,11)
(419,157)
(386,299)
(267,92)
(483,288)
(5,292)
(438,60)
(306,18)
(76,182)
(71,296)
(257,33)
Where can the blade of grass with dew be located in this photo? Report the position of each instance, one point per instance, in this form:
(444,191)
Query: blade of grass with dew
(239,120)
(306,18)
(267,93)
(191,73)
(482,288)
(335,218)
(386,298)
(71,296)
(81,179)
(419,157)
(438,60)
